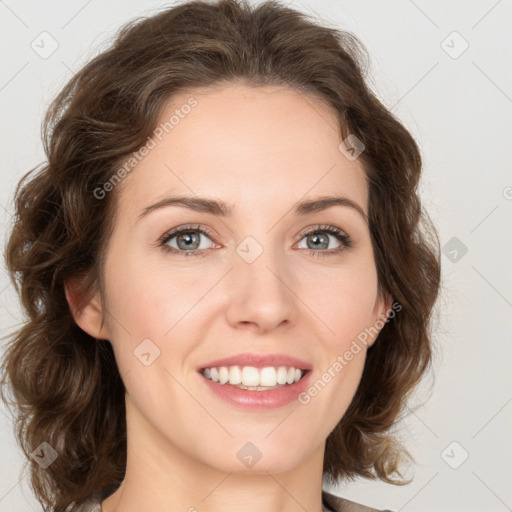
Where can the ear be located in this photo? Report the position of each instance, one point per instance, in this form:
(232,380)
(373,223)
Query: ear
(383,306)
(381,312)
(87,310)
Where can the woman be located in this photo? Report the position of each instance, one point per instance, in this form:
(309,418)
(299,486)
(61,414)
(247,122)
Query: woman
(225,268)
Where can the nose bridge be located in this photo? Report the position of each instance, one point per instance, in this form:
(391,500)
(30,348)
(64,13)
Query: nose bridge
(259,261)
(260,288)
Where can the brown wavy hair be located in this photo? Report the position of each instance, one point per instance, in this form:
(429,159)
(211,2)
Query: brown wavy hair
(65,385)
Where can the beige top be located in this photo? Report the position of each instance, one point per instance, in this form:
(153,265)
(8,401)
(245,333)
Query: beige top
(330,503)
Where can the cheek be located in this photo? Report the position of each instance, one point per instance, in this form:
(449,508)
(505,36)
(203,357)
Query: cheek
(342,299)
(148,301)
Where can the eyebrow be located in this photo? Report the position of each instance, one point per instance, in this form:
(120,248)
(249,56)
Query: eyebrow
(222,209)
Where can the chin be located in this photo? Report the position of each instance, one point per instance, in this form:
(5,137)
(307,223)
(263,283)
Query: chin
(253,458)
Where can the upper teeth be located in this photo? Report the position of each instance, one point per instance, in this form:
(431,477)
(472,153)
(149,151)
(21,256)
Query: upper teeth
(251,376)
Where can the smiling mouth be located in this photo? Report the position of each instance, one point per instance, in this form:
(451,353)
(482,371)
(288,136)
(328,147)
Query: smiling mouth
(254,379)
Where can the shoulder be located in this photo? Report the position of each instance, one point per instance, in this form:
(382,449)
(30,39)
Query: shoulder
(92,504)
(339,504)
(336,503)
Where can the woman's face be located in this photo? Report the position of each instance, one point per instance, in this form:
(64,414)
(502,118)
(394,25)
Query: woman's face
(256,283)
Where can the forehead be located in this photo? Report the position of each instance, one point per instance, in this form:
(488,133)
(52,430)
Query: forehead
(254,147)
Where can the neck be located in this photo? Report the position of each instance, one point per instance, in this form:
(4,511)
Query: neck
(162,476)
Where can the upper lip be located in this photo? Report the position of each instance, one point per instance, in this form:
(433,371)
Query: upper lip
(258,361)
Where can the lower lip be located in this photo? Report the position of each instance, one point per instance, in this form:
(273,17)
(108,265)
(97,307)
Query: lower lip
(258,400)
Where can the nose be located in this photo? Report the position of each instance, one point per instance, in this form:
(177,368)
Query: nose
(260,293)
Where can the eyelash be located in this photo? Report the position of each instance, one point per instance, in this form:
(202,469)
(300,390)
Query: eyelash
(346,241)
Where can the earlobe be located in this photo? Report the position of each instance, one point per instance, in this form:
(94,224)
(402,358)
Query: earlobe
(87,310)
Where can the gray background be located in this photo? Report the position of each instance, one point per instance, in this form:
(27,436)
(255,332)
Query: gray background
(458,105)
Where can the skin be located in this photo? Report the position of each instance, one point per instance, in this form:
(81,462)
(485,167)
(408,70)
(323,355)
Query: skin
(260,150)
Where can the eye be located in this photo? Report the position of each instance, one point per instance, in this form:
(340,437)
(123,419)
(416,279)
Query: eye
(319,238)
(187,241)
